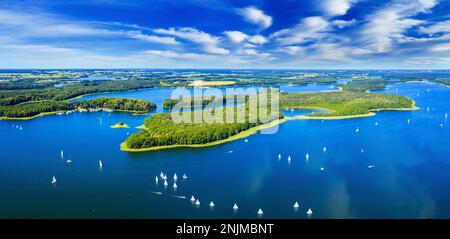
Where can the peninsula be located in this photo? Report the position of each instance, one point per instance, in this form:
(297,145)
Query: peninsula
(160,132)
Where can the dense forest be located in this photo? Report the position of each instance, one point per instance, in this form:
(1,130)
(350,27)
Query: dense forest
(160,130)
(116,104)
(12,97)
(35,108)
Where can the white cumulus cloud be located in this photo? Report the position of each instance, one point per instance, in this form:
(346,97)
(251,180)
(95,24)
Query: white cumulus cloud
(236,36)
(255,16)
(209,43)
(336,7)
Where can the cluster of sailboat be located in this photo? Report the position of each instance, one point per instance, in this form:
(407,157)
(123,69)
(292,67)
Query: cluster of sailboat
(69,161)
(196,201)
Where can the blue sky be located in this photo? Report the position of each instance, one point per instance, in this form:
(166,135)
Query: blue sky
(332,34)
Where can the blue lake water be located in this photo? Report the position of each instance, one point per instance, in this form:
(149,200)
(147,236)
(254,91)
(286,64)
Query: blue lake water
(409,179)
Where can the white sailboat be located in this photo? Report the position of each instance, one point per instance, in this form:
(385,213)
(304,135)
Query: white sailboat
(175,177)
(428,109)
(165,183)
(185,176)
(192,199)
(362,150)
(260,212)
(54,180)
(62,154)
(279,156)
(211,204)
(161,175)
(409,121)
(357,130)
(309,212)
(156,179)
(165,177)
(296,205)
(235,207)
(322,169)
(307,157)
(376,123)
(446,116)
(68,161)
(197,202)
(246,140)
(370,166)
(442,125)
(100,164)
(324,149)
(175,185)
(289,159)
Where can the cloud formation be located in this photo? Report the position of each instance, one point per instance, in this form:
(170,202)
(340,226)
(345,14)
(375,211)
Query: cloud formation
(255,16)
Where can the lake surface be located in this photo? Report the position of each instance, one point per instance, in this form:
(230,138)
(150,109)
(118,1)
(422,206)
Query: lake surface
(410,176)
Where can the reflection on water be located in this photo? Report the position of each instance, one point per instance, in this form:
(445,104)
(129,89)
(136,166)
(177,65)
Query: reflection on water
(409,178)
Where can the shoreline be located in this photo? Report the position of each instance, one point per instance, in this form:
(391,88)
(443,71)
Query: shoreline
(34,116)
(254,130)
(240,135)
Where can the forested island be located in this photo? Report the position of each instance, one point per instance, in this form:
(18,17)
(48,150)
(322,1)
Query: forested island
(39,108)
(160,132)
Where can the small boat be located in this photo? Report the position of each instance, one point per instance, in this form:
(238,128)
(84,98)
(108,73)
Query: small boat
(197,202)
(324,149)
(235,207)
(292,110)
(192,199)
(175,185)
(307,157)
(165,177)
(362,150)
(181,197)
(246,140)
(296,205)
(428,90)
(62,154)
(322,169)
(418,94)
(185,176)
(211,204)
(165,183)
(370,166)
(175,177)
(54,180)
(20,128)
(156,179)
(260,212)
(289,159)
(409,121)
(376,123)
(446,116)
(357,130)
(159,193)
(428,109)
(442,125)
(309,212)
(69,161)
(279,156)
(230,152)
(100,164)
(161,175)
